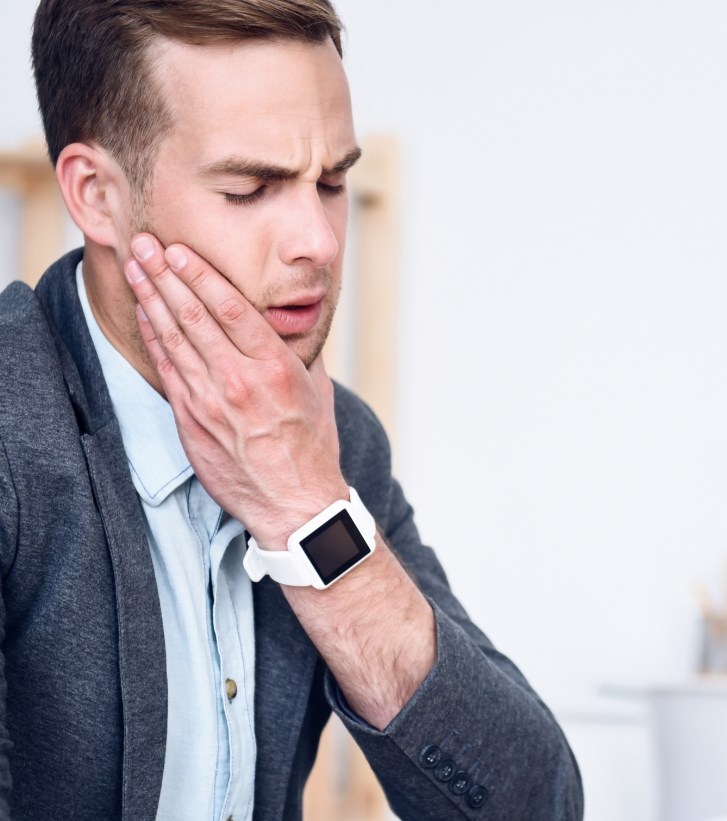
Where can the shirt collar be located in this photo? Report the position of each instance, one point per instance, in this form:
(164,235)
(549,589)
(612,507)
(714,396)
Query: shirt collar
(157,459)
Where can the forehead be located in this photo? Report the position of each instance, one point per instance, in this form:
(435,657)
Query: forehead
(282,101)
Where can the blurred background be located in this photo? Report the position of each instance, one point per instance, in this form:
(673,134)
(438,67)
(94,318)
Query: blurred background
(560,401)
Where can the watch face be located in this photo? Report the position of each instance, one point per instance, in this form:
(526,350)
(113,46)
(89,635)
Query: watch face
(335,547)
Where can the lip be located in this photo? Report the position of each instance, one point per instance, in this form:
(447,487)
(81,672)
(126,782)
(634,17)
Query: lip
(298,316)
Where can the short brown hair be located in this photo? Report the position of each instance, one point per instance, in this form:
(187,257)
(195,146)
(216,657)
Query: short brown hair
(94,71)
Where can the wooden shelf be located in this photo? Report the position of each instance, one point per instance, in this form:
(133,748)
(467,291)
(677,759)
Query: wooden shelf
(373,262)
(28,173)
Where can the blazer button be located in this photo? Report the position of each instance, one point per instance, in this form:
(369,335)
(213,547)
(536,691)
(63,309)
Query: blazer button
(459,783)
(230,688)
(430,756)
(445,770)
(477,796)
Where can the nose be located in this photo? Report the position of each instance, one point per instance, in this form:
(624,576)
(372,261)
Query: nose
(307,235)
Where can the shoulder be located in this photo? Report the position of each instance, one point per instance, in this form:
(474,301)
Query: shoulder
(28,354)
(17,302)
(354,416)
(365,450)
(23,324)
(35,407)
(359,429)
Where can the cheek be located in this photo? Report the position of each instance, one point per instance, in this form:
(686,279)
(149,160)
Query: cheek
(222,234)
(337,214)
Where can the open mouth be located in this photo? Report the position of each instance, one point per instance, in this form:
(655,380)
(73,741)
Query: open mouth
(294,319)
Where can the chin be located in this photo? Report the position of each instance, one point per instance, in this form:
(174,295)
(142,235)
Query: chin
(306,349)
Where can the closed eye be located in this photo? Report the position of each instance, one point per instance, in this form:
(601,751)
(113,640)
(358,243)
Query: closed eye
(331,190)
(253,197)
(245,199)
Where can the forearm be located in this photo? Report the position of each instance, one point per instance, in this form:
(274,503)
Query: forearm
(478,712)
(375,631)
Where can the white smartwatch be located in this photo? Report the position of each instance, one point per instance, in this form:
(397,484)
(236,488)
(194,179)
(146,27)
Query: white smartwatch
(320,552)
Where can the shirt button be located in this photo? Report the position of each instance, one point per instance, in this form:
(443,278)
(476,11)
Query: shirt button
(459,783)
(477,796)
(231,690)
(430,756)
(445,770)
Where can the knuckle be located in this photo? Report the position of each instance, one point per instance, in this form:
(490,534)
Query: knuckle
(164,366)
(172,338)
(156,268)
(230,311)
(192,312)
(146,293)
(237,390)
(197,279)
(279,372)
(211,408)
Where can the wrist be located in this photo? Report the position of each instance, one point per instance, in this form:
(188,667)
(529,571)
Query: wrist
(321,551)
(271,530)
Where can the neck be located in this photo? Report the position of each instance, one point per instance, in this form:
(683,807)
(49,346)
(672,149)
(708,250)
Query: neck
(114,308)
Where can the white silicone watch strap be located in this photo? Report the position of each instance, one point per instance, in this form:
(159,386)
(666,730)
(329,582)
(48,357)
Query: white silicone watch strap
(284,567)
(293,569)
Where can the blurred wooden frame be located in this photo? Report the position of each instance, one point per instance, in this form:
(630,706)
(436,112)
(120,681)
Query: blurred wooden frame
(372,263)
(341,788)
(28,173)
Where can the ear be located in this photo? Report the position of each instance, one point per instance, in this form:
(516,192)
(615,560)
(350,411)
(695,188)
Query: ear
(95,191)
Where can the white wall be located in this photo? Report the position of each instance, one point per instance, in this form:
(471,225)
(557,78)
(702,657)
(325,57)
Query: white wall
(562,399)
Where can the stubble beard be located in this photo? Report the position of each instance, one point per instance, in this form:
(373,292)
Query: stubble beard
(322,333)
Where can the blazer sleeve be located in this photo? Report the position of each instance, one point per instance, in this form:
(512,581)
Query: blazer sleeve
(474,741)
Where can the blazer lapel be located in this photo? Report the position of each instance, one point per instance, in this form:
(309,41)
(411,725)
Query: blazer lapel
(142,661)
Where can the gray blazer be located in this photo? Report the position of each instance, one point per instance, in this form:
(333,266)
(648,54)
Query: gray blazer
(83,705)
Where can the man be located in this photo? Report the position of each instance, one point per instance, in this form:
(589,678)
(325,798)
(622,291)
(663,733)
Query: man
(163,392)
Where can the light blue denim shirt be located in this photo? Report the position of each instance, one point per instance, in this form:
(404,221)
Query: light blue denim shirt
(206,603)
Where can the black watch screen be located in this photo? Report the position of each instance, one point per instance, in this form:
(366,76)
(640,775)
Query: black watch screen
(335,547)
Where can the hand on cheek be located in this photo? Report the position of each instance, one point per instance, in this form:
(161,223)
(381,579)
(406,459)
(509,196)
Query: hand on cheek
(258,427)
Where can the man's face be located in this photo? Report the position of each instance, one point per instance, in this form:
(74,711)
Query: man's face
(252,175)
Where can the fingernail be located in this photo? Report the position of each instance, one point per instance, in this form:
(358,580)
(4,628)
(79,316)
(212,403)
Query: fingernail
(134,272)
(143,248)
(140,313)
(176,258)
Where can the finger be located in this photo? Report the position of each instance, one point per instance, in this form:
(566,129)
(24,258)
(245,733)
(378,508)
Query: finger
(174,388)
(166,328)
(238,318)
(173,385)
(190,313)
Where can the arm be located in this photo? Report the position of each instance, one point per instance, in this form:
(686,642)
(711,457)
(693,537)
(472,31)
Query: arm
(260,431)
(475,705)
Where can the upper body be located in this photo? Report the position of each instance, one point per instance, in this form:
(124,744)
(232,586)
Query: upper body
(85,713)
(203,153)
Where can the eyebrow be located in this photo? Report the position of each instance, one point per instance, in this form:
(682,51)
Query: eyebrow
(235,166)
